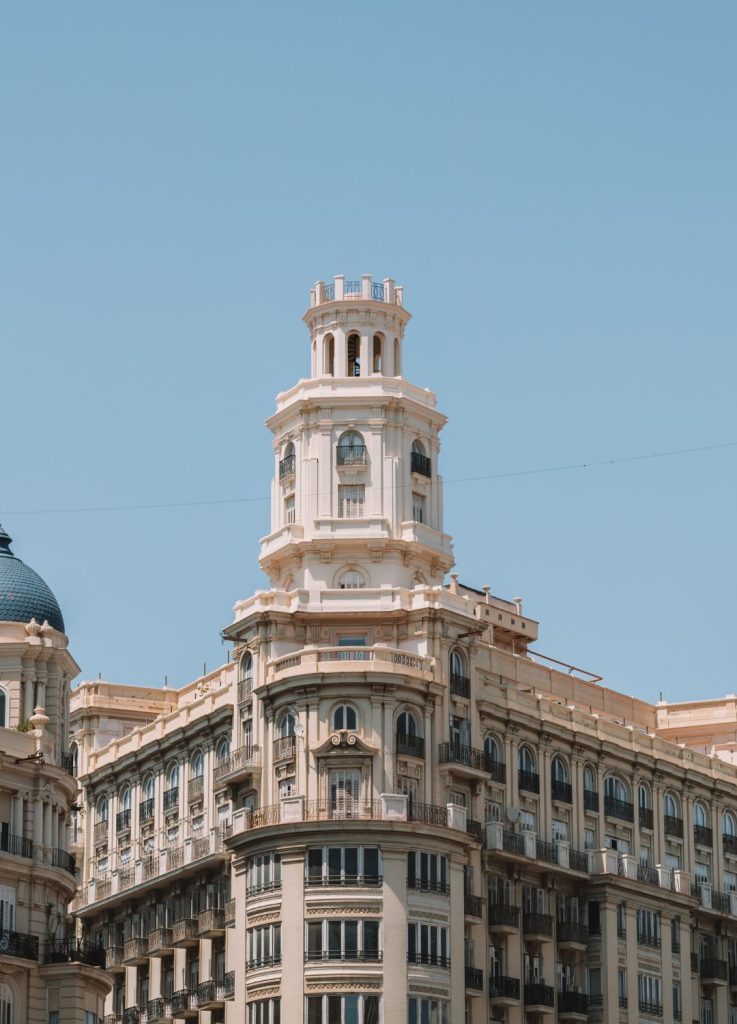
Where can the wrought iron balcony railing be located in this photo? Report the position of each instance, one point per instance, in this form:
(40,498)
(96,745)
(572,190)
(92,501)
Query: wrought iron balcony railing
(285,747)
(561,791)
(421,464)
(713,969)
(146,809)
(63,951)
(286,466)
(428,958)
(241,759)
(529,782)
(351,455)
(645,815)
(503,915)
(460,686)
(573,1002)
(18,944)
(123,820)
(590,800)
(410,746)
(469,757)
(539,994)
(616,808)
(62,859)
(537,924)
(572,931)
(702,835)
(171,798)
(474,979)
(18,846)
(502,987)
(472,905)
(673,826)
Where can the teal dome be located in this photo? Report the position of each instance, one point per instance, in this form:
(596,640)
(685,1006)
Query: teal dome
(23,594)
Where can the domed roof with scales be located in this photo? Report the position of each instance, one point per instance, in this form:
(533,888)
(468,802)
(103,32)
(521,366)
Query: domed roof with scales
(23,594)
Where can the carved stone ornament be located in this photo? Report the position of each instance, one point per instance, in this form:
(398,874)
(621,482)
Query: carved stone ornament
(345,741)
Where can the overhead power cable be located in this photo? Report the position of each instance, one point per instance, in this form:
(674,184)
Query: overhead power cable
(569,467)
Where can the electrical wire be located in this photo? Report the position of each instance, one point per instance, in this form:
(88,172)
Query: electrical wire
(454,480)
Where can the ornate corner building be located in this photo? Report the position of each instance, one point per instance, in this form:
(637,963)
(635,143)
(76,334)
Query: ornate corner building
(46,973)
(386,807)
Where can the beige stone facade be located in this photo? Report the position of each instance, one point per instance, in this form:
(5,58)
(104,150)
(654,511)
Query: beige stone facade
(388,806)
(47,975)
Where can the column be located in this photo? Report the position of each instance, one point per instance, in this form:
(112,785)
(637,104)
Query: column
(667,966)
(429,752)
(37,825)
(16,815)
(457,944)
(513,961)
(602,813)
(28,694)
(366,354)
(394,865)
(658,826)
(312,737)
(632,962)
(388,748)
(292,932)
(689,848)
(546,804)
(717,847)
(689,992)
(47,825)
(511,756)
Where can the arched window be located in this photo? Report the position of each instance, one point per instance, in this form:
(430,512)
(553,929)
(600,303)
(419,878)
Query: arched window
(287,724)
(616,789)
(407,724)
(492,749)
(353,353)
(344,717)
(419,462)
(589,779)
(172,776)
(148,787)
(559,769)
(3,712)
(700,815)
(125,798)
(102,808)
(351,450)
(74,759)
(643,796)
(6,1002)
(245,667)
(197,765)
(409,740)
(526,760)
(671,806)
(377,361)
(329,355)
(351,579)
(397,359)
(223,748)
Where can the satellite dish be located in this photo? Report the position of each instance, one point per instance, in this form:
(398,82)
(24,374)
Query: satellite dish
(513,814)
(299,730)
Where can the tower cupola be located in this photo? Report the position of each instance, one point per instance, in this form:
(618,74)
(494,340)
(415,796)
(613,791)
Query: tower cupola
(356,495)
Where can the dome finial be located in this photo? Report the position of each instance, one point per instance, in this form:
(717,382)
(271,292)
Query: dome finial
(5,540)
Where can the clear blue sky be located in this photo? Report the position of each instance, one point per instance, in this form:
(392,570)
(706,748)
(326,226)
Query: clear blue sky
(553,184)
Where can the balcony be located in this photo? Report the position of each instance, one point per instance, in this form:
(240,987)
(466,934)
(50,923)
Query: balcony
(472,905)
(503,917)
(539,994)
(237,764)
(573,1004)
(17,944)
(561,791)
(645,815)
(578,860)
(419,884)
(245,689)
(513,842)
(647,874)
(123,821)
(713,971)
(464,757)
(729,844)
(497,770)
(702,836)
(64,951)
(18,846)
(159,1011)
(694,963)
(160,942)
(474,979)
(428,959)
(131,1015)
(529,782)
(420,464)
(62,859)
(474,829)
(210,995)
(539,925)
(648,939)
(114,959)
(195,788)
(146,810)
(211,923)
(410,746)
(287,466)
(621,809)
(361,956)
(654,1009)
(590,800)
(502,988)
(185,933)
(171,799)
(460,686)
(673,826)
(184,1003)
(572,935)
(271,960)
(351,455)
(135,951)
(229,914)
(229,985)
(547,852)
(721,902)
(100,832)
(285,748)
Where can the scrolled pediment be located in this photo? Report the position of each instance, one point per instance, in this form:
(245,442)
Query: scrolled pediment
(344,741)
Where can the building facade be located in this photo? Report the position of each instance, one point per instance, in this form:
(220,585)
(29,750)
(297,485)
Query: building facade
(387,807)
(46,974)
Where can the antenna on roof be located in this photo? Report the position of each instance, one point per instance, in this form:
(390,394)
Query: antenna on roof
(166,682)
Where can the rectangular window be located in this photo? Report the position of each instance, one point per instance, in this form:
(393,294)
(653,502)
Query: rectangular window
(342,939)
(649,993)
(730,881)
(528,821)
(589,838)
(645,855)
(264,873)
(418,508)
(290,512)
(358,1008)
(560,831)
(492,810)
(677,1001)
(345,792)
(351,500)
(427,944)
(428,1011)
(648,927)
(594,981)
(264,945)
(265,1011)
(621,921)
(344,865)
(427,871)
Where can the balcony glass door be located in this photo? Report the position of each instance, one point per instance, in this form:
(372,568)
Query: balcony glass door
(345,792)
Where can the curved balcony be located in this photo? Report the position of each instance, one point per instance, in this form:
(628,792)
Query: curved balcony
(371,658)
(285,748)
(410,746)
(75,951)
(17,944)
(420,464)
(123,821)
(146,809)
(18,846)
(237,764)
(62,859)
(287,467)
(351,455)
